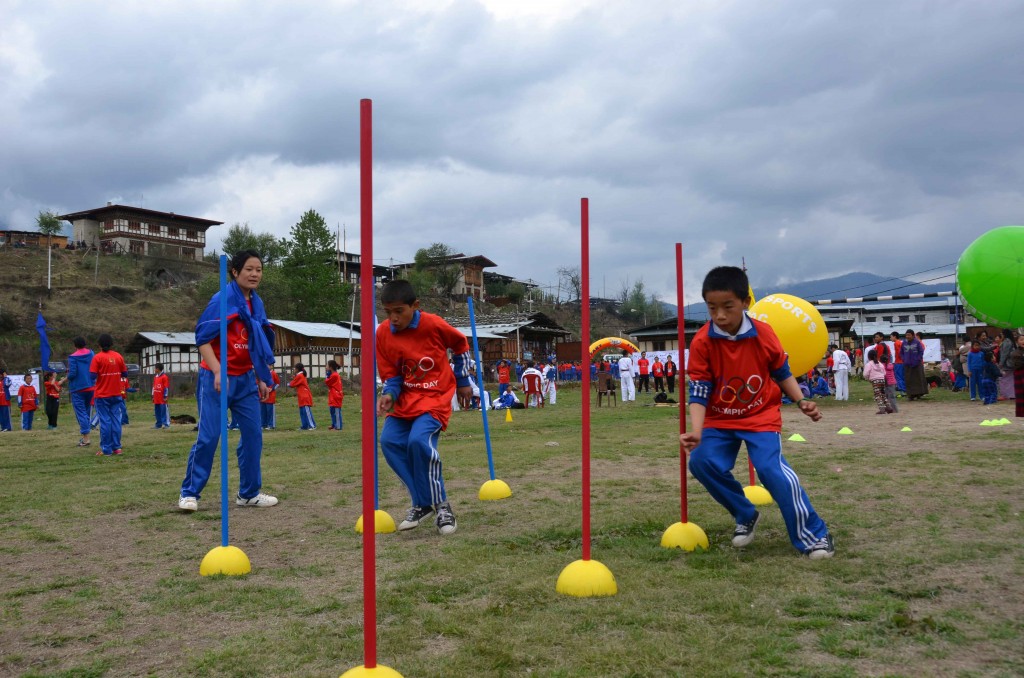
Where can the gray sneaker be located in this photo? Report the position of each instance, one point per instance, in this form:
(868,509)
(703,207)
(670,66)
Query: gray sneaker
(825,548)
(188,504)
(445,519)
(744,533)
(414,516)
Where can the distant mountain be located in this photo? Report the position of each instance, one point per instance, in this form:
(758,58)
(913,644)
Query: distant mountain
(840,287)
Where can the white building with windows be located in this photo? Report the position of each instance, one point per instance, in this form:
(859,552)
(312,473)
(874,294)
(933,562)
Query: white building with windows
(134,230)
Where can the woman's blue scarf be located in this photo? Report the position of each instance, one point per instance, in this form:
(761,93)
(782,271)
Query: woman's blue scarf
(261,334)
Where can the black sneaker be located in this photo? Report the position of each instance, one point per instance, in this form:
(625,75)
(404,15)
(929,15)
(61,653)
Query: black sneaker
(825,548)
(744,533)
(445,519)
(414,516)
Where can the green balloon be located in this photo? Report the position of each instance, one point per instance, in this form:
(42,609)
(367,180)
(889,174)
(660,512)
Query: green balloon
(990,275)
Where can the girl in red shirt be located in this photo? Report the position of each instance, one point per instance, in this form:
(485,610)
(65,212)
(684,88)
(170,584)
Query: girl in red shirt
(268,404)
(52,405)
(27,401)
(335,394)
(305,398)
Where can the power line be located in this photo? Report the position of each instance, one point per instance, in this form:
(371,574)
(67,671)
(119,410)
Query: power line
(886,280)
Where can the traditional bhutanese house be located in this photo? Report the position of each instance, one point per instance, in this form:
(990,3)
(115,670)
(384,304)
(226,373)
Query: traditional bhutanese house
(122,228)
(313,344)
(471,275)
(528,336)
(11,238)
(176,350)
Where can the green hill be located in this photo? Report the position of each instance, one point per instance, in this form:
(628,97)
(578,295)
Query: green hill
(118,294)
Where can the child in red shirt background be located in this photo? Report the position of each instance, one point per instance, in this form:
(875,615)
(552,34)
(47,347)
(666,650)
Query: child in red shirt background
(335,394)
(268,405)
(52,405)
(161,390)
(27,399)
(5,401)
(108,369)
(304,396)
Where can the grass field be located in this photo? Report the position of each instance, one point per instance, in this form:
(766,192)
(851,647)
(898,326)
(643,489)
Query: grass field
(100,571)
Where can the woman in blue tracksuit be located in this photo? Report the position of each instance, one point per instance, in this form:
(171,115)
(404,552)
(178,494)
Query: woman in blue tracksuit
(250,351)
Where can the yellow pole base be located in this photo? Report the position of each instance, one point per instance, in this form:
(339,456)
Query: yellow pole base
(686,536)
(377,671)
(383,523)
(495,489)
(586,579)
(757,495)
(229,560)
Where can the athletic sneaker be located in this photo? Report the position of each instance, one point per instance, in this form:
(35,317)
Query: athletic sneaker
(188,503)
(262,500)
(119,451)
(744,533)
(825,548)
(414,516)
(445,520)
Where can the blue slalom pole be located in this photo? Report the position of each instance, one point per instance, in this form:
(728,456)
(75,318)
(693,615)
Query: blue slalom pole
(223,400)
(480,384)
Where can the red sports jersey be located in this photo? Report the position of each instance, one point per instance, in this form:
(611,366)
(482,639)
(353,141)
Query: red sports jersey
(658,369)
(271,398)
(4,400)
(670,369)
(643,365)
(239,360)
(420,356)
(898,352)
(52,390)
(108,366)
(335,394)
(28,398)
(503,374)
(161,385)
(302,391)
(743,394)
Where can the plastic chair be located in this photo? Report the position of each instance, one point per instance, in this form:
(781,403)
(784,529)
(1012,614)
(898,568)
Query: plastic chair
(532,387)
(606,388)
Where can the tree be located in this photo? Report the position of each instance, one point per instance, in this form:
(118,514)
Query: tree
(310,272)
(49,225)
(572,278)
(437,260)
(241,237)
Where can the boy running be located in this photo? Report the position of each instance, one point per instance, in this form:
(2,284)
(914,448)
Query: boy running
(412,360)
(737,367)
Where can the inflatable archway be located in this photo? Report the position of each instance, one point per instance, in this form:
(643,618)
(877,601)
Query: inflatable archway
(612,342)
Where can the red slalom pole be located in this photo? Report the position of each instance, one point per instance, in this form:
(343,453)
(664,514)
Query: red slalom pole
(367,313)
(684,534)
(751,465)
(681,336)
(585,577)
(585,363)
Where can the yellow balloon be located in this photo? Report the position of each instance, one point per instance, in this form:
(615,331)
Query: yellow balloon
(799,326)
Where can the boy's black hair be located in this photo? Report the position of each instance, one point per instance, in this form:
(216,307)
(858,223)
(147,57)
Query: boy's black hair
(398,292)
(105,341)
(878,334)
(159,367)
(238,260)
(79,342)
(726,279)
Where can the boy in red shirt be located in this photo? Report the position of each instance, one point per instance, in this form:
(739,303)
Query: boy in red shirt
(161,389)
(27,399)
(644,370)
(304,397)
(737,367)
(108,369)
(412,360)
(504,377)
(335,394)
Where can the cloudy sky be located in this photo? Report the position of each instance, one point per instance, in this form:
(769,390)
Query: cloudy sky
(813,138)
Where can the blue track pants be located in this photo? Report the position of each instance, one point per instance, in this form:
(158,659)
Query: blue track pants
(5,418)
(336,418)
(244,403)
(163,419)
(109,412)
(306,418)
(713,460)
(410,448)
(80,403)
(268,415)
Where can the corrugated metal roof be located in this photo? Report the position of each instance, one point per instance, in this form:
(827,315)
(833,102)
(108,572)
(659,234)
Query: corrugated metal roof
(326,330)
(176,338)
(480,333)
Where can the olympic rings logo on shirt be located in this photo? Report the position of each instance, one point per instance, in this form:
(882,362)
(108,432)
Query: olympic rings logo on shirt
(415,371)
(743,391)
